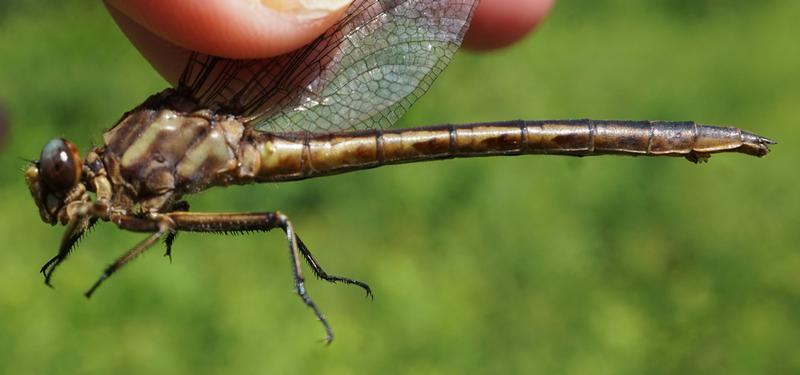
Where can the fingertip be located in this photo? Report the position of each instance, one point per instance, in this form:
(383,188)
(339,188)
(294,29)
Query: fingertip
(499,23)
(234,29)
(166,58)
(166,31)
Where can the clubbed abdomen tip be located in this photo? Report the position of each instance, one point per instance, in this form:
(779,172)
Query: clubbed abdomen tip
(754,144)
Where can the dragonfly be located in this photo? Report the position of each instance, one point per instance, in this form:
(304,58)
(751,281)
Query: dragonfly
(321,110)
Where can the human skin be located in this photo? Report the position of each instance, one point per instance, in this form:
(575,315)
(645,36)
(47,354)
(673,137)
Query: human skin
(165,30)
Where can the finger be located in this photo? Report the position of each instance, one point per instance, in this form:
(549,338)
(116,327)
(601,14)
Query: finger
(166,58)
(236,29)
(498,23)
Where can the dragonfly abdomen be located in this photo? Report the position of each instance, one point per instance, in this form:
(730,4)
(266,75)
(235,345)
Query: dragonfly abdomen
(292,158)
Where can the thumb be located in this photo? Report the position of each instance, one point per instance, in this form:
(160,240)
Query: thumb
(165,30)
(236,29)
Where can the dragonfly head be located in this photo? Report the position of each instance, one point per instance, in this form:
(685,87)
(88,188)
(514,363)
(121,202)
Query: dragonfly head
(53,178)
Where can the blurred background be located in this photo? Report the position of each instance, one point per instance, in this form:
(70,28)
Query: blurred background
(606,265)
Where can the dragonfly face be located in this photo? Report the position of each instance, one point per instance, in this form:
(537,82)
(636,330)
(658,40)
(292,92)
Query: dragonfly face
(55,179)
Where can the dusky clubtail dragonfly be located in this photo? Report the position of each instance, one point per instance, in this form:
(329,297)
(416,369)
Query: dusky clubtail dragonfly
(317,111)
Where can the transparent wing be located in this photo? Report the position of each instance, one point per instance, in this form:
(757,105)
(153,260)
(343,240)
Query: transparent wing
(365,72)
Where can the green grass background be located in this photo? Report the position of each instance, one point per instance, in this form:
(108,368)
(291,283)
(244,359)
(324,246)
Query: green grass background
(603,265)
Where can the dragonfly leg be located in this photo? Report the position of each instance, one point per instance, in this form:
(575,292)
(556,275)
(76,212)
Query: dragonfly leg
(164,227)
(168,241)
(249,222)
(181,206)
(320,273)
(77,227)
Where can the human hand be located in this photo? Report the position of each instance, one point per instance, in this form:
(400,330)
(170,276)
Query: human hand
(165,31)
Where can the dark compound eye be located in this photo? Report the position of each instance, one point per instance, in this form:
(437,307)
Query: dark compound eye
(60,165)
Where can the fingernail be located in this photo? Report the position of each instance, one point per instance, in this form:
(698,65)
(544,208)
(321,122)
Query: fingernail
(307,9)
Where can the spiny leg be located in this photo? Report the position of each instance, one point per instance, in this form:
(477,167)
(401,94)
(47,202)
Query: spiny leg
(72,234)
(76,229)
(299,280)
(248,222)
(168,241)
(181,206)
(163,229)
(320,273)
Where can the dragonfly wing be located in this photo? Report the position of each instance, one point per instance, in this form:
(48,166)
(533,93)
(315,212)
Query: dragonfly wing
(364,72)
